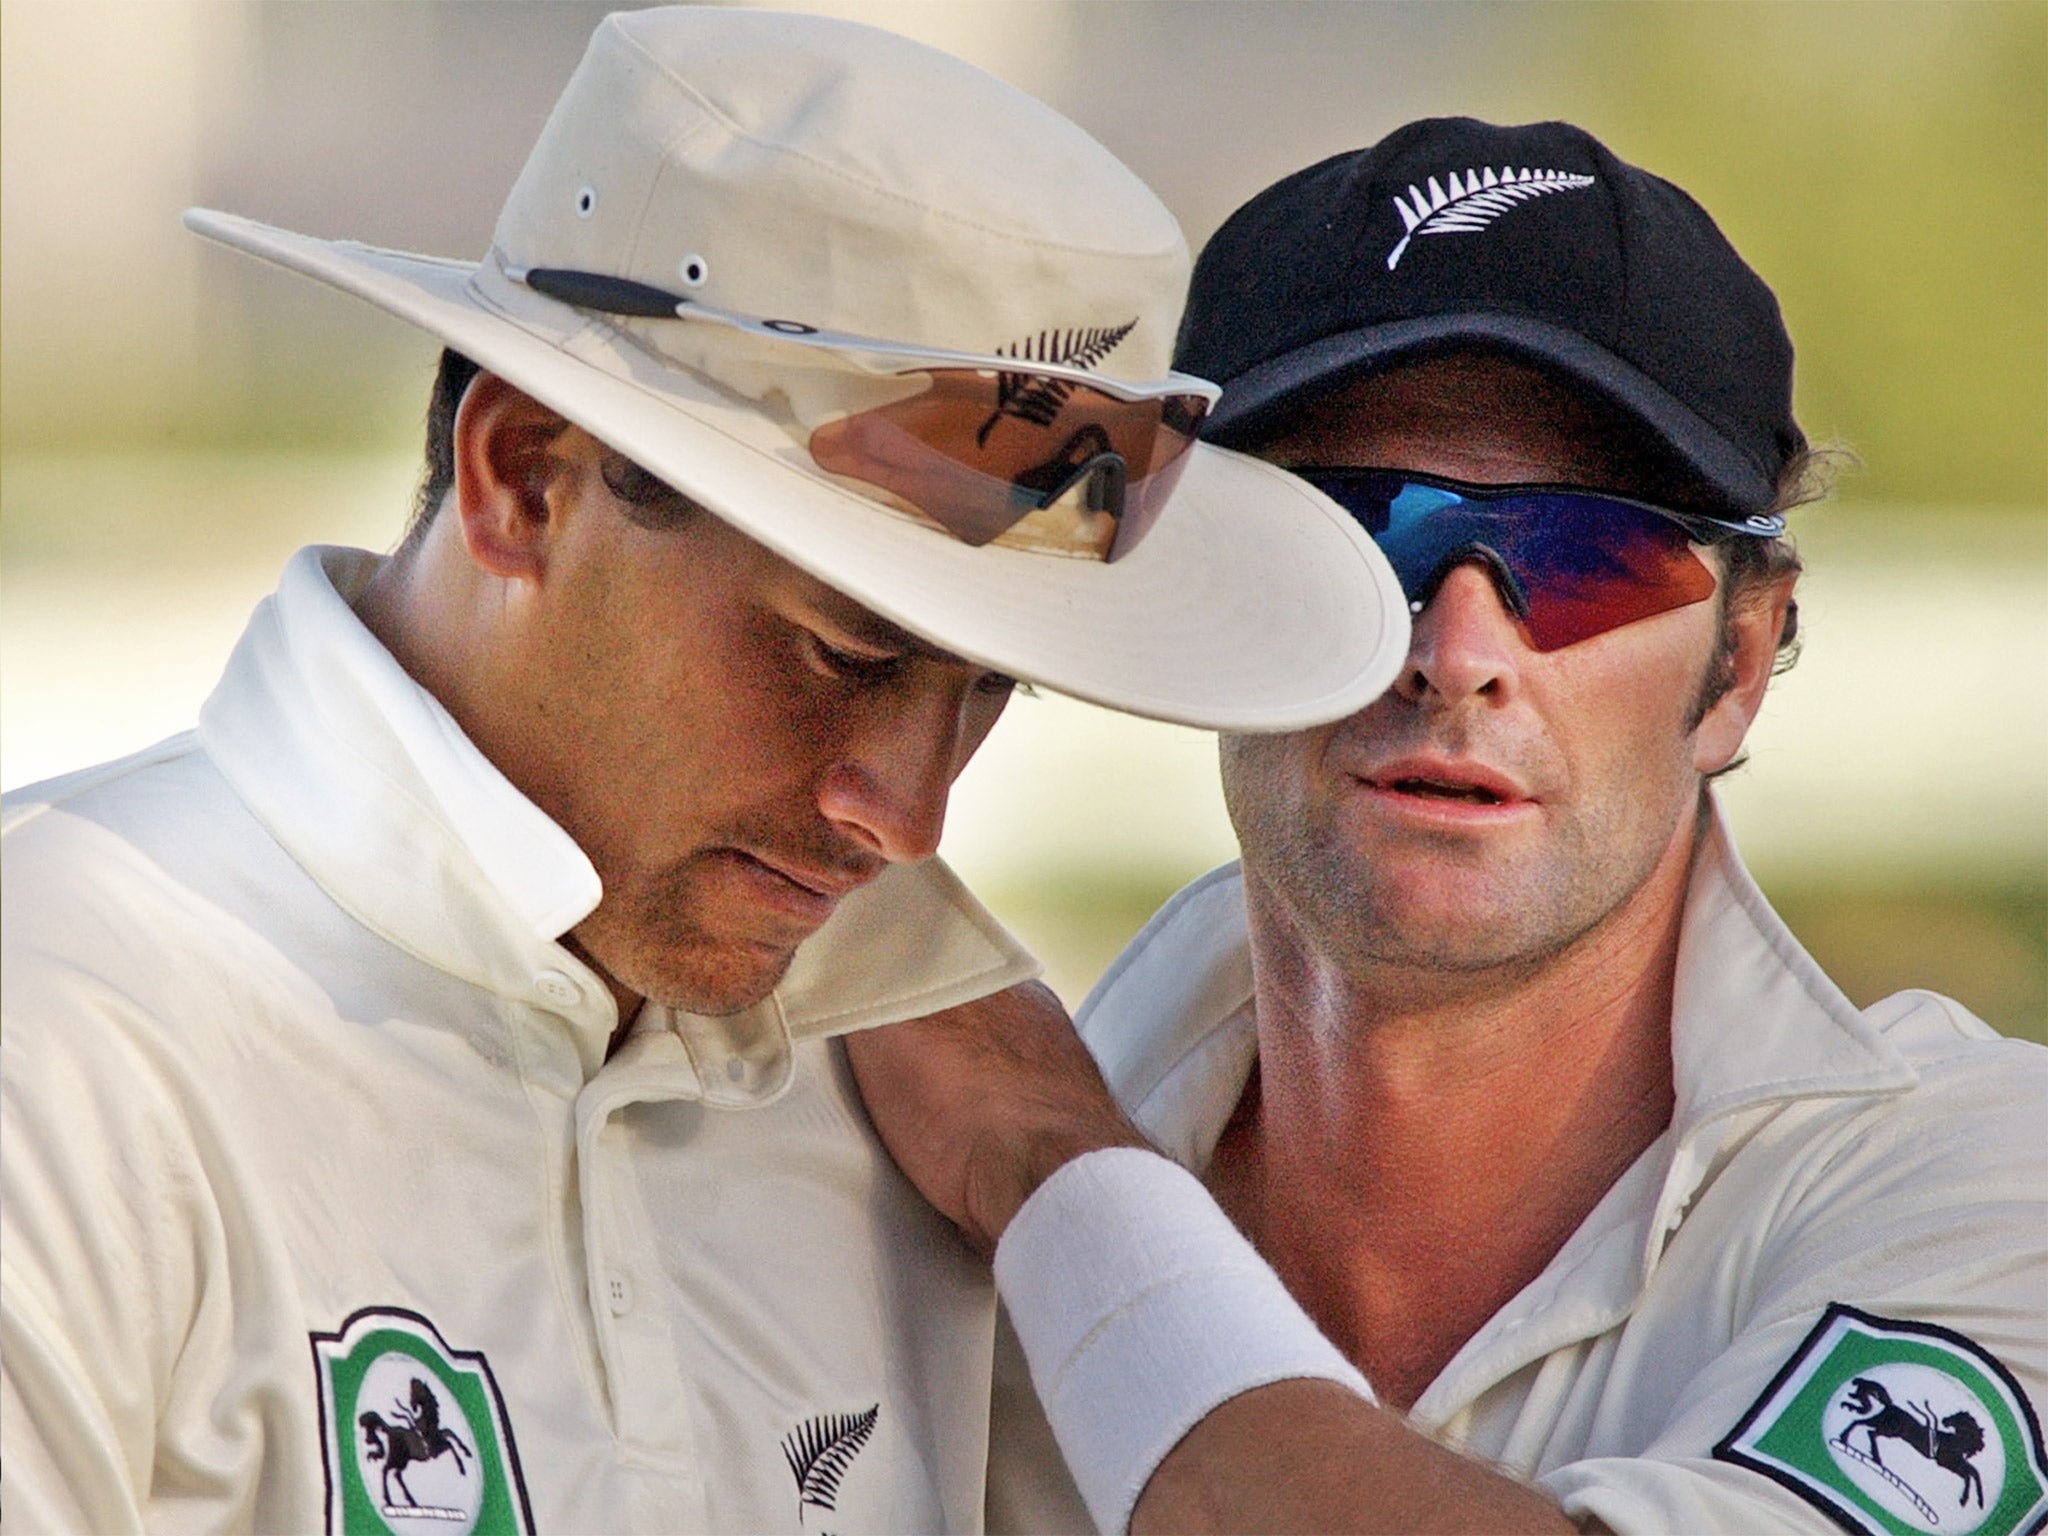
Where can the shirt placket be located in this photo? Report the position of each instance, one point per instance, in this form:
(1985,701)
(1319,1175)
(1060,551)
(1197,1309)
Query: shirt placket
(649,1405)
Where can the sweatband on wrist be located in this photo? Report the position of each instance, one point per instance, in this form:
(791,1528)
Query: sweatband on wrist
(1140,1308)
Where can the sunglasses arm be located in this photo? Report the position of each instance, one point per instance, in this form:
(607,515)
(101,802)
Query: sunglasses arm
(1103,478)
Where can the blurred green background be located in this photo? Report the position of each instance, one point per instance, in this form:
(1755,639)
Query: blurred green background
(174,420)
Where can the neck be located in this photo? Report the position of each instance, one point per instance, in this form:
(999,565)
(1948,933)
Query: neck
(1416,1147)
(418,606)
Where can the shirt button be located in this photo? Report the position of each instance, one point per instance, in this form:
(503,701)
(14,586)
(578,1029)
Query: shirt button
(558,988)
(618,1294)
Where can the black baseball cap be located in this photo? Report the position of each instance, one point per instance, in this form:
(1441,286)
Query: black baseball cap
(1533,241)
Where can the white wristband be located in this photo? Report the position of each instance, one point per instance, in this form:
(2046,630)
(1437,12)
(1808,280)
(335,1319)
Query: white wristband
(1140,1308)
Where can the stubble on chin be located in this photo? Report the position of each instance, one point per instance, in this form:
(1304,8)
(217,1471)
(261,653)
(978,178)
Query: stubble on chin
(648,940)
(1444,906)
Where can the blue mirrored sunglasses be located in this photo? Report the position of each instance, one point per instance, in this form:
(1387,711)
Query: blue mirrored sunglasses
(1569,563)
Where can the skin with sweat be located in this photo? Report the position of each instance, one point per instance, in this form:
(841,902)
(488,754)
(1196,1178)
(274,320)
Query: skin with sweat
(734,744)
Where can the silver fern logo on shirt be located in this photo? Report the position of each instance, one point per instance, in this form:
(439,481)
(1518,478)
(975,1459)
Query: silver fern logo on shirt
(1467,202)
(821,1450)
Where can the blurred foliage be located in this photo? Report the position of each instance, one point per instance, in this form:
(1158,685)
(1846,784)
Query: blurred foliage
(1886,167)
(1985,946)
(1883,162)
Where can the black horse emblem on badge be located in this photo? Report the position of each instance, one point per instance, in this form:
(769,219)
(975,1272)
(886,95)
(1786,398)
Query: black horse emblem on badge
(417,1436)
(1951,1442)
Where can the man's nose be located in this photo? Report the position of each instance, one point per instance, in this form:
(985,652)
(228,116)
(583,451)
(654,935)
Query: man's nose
(888,792)
(1467,642)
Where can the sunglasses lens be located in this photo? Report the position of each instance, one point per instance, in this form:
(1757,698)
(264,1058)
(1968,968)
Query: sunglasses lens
(1578,563)
(1593,565)
(982,446)
(977,452)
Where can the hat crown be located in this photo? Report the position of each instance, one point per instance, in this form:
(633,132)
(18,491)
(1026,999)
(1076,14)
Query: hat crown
(1535,239)
(811,169)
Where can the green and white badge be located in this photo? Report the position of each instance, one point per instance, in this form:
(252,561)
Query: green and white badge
(1898,1427)
(414,1434)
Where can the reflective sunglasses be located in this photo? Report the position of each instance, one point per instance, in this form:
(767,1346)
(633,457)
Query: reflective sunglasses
(990,439)
(1569,563)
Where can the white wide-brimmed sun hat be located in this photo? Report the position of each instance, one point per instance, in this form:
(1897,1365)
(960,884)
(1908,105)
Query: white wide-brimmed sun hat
(746,235)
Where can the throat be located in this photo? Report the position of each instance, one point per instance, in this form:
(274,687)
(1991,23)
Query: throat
(624,998)
(1405,1212)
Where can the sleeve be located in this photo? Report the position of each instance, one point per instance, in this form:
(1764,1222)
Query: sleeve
(66,1464)
(1887,1345)
(106,1244)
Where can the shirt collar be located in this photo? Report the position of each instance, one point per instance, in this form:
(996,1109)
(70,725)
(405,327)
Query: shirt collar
(1171,1022)
(374,789)
(1755,1022)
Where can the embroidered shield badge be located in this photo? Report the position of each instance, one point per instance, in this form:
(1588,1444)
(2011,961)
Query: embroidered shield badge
(413,1434)
(1900,1428)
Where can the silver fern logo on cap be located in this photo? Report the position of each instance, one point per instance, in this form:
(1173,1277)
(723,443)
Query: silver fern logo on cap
(1474,200)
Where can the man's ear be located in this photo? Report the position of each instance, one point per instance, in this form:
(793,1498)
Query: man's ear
(504,465)
(1754,621)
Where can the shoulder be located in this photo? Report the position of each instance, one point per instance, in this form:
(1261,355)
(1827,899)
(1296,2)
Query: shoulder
(1937,1183)
(1170,1021)
(25,812)
(1189,966)
(84,850)
(131,911)
(1966,1070)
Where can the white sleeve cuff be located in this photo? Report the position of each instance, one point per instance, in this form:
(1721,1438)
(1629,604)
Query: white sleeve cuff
(1140,1308)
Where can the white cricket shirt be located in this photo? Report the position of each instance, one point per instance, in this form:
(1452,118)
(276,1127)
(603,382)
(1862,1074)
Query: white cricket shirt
(323,1208)
(1818,1302)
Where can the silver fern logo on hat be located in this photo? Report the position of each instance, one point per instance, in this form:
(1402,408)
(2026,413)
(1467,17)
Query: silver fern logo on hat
(1472,202)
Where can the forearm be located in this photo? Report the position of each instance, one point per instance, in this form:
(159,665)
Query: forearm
(1188,1390)
(1181,1380)
(1311,1456)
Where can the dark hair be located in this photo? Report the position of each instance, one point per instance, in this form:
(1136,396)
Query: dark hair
(451,382)
(650,501)
(1749,567)
(1750,564)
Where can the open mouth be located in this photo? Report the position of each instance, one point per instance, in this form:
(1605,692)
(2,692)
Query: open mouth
(1432,789)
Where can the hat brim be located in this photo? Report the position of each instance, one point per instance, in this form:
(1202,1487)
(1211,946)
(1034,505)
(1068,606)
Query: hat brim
(1255,603)
(1254,403)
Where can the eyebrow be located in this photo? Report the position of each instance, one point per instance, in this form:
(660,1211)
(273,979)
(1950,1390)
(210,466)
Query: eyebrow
(863,623)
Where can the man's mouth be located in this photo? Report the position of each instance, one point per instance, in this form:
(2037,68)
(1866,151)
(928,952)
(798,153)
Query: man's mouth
(812,889)
(1472,794)
(1451,781)
(828,885)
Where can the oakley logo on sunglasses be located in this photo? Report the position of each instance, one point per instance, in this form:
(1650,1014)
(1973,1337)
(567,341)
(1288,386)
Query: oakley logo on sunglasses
(1472,202)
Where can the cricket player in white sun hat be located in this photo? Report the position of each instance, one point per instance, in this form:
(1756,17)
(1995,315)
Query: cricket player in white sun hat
(422,1110)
